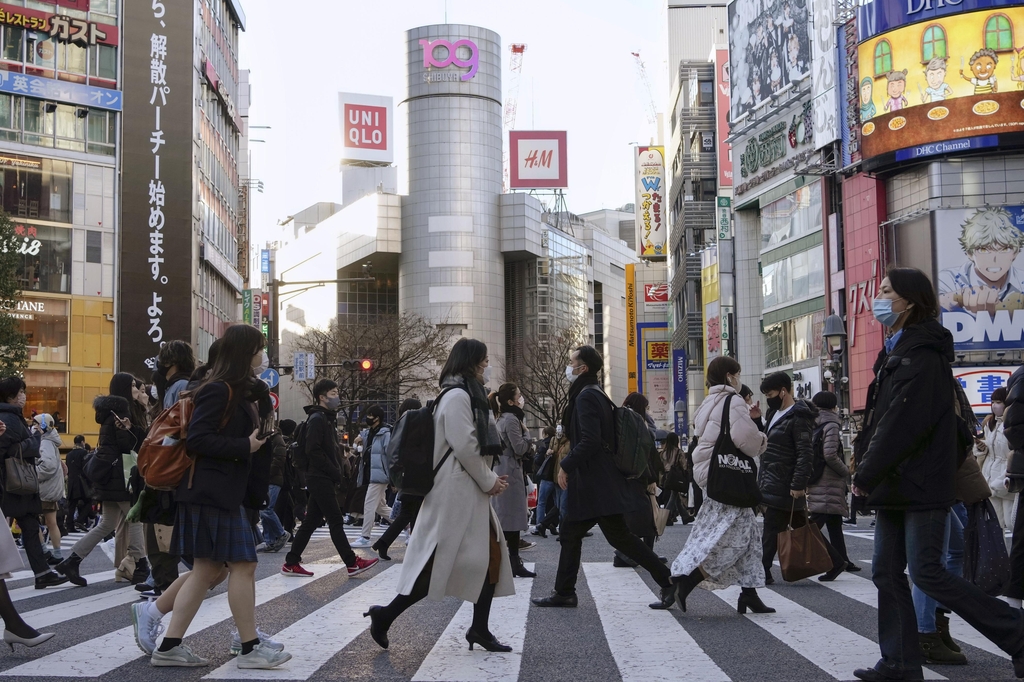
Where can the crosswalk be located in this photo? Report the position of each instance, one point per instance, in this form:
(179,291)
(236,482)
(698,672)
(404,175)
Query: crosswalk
(645,645)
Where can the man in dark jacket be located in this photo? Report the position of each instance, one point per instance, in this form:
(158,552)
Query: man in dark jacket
(597,492)
(18,442)
(272,528)
(786,464)
(78,498)
(321,462)
(1013,429)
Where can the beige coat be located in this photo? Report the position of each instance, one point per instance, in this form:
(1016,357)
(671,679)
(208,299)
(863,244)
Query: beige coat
(453,522)
(708,423)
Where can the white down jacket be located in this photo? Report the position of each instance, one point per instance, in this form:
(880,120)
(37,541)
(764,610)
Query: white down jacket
(708,423)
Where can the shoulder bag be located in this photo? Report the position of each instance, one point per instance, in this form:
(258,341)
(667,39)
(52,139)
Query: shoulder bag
(802,551)
(732,476)
(21,476)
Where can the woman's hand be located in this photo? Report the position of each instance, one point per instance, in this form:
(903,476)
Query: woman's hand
(755,410)
(499,486)
(255,442)
(858,492)
(3,428)
(122,423)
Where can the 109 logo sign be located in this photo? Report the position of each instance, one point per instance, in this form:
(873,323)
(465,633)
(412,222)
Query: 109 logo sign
(450,57)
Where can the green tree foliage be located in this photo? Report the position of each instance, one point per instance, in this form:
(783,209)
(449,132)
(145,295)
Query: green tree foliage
(13,344)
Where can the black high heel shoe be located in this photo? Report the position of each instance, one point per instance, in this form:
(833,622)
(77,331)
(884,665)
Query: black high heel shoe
(749,599)
(668,597)
(486,640)
(377,630)
(382,552)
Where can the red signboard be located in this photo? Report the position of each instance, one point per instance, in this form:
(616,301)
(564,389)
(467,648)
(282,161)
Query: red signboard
(537,159)
(722,117)
(656,293)
(365,126)
(60,27)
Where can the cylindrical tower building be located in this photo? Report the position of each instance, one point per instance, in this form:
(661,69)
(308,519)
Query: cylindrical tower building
(452,269)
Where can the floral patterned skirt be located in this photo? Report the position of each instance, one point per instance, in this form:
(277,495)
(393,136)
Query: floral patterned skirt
(726,543)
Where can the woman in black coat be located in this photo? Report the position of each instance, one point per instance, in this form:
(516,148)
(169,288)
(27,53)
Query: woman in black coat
(640,520)
(122,430)
(212,525)
(907,463)
(18,441)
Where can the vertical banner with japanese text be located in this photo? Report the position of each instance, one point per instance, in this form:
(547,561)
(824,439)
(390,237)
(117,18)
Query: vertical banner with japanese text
(631,362)
(156,250)
(651,227)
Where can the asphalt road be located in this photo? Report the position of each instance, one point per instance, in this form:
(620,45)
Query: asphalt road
(821,632)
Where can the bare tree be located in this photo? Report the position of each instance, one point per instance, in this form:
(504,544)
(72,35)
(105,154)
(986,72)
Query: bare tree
(538,369)
(407,352)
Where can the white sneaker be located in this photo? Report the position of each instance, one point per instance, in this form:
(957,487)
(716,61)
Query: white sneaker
(361,542)
(178,657)
(265,640)
(147,628)
(262,657)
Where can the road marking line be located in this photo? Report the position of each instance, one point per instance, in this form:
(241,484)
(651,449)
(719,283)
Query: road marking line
(647,645)
(100,655)
(29,591)
(332,627)
(451,660)
(80,608)
(828,645)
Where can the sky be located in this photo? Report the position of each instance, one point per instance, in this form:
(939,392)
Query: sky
(578,75)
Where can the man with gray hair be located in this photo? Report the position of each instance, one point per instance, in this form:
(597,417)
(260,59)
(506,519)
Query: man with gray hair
(987,280)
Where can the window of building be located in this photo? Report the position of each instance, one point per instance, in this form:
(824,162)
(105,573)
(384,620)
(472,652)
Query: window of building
(793,340)
(883,58)
(93,246)
(707,93)
(45,263)
(14,41)
(37,188)
(794,215)
(933,44)
(46,392)
(103,62)
(44,322)
(793,279)
(998,33)
(598,315)
(61,126)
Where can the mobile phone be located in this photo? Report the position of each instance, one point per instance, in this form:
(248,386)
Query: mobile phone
(265,435)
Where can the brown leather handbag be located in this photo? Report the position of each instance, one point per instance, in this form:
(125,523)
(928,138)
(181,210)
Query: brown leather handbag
(802,551)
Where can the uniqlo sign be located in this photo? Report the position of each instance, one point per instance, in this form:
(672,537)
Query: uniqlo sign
(366,128)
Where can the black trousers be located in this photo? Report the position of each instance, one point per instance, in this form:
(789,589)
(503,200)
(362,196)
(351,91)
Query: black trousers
(29,525)
(1015,588)
(163,565)
(79,511)
(401,602)
(407,514)
(618,536)
(322,506)
(834,524)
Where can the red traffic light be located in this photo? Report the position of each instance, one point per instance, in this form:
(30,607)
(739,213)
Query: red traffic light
(366,365)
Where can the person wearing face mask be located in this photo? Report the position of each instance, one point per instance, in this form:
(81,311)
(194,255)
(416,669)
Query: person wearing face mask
(907,455)
(321,464)
(558,448)
(372,472)
(544,465)
(510,506)
(786,464)
(994,456)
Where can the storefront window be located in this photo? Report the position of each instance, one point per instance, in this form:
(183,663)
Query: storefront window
(793,340)
(45,263)
(794,278)
(47,393)
(45,322)
(793,216)
(36,188)
(13,40)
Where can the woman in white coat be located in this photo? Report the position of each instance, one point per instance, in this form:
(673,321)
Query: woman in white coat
(455,551)
(51,481)
(724,547)
(994,457)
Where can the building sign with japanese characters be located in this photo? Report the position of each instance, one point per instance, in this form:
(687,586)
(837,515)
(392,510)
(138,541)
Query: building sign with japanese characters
(60,91)
(156,186)
(979,382)
(58,26)
(649,175)
(654,357)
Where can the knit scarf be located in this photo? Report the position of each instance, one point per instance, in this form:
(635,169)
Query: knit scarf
(581,382)
(490,442)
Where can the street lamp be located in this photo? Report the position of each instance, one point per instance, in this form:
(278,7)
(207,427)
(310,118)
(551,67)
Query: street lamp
(834,333)
(682,427)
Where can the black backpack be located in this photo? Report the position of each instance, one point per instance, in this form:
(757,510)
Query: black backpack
(297,448)
(409,459)
(818,446)
(635,454)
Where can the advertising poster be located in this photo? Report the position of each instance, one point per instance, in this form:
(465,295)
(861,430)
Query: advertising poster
(769,50)
(654,356)
(679,390)
(652,230)
(981,276)
(979,382)
(631,329)
(367,127)
(538,159)
(656,298)
(949,85)
(723,86)
(710,296)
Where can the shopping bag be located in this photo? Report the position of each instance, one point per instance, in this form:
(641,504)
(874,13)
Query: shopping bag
(660,515)
(732,475)
(986,563)
(802,551)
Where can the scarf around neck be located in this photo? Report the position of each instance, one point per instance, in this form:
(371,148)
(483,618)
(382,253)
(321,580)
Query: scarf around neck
(483,418)
(581,382)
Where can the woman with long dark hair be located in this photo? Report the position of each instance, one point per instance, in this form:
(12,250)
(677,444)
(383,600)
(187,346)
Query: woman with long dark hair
(212,525)
(455,550)
(511,507)
(122,423)
(907,457)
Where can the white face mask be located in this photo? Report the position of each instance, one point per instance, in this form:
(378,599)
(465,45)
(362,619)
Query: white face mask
(359,448)
(569,374)
(558,431)
(264,364)
(487,374)
(521,402)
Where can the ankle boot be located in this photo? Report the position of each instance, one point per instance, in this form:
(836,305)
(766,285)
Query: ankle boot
(69,567)
(942,625)
(749,599)
(519,570)
(937,653)
(683,587)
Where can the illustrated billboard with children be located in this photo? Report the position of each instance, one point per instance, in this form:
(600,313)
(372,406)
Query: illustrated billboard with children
(981,276)
(944,85)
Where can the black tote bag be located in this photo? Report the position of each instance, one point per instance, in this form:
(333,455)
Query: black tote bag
(986,563)
(732,477)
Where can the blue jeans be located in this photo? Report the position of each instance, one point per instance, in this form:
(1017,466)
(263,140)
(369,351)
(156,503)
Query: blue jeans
(954,552)
(545,495)
(562,500)
(921,536)
(271,524)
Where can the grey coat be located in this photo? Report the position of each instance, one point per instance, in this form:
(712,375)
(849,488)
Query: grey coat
(827,495)
(511,506)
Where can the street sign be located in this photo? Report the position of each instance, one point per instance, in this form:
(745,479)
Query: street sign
(257,309)
(274,401)
(265,261)
(303,367)
(310,366)
(270,377)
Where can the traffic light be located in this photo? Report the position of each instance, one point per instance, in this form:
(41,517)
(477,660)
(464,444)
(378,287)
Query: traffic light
(366,364)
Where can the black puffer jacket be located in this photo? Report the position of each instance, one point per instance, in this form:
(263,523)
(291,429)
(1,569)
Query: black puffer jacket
(109,485)
(323,453)
(786,464)
(906,453)
(1013,426)
(18,434)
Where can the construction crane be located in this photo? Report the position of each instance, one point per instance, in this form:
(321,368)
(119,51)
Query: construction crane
(515,63)
(641,72)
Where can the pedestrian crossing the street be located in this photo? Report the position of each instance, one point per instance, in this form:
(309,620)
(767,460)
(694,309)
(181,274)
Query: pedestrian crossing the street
(644,645)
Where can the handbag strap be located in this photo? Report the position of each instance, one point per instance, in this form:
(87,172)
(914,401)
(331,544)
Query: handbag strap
(792,511)
(727,417)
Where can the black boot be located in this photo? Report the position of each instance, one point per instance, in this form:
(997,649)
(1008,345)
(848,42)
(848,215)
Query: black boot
(381,550)
(141,573)
(683,586)
(749,599)
(519,570)
(378,626)
(49,580)
(69,567)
